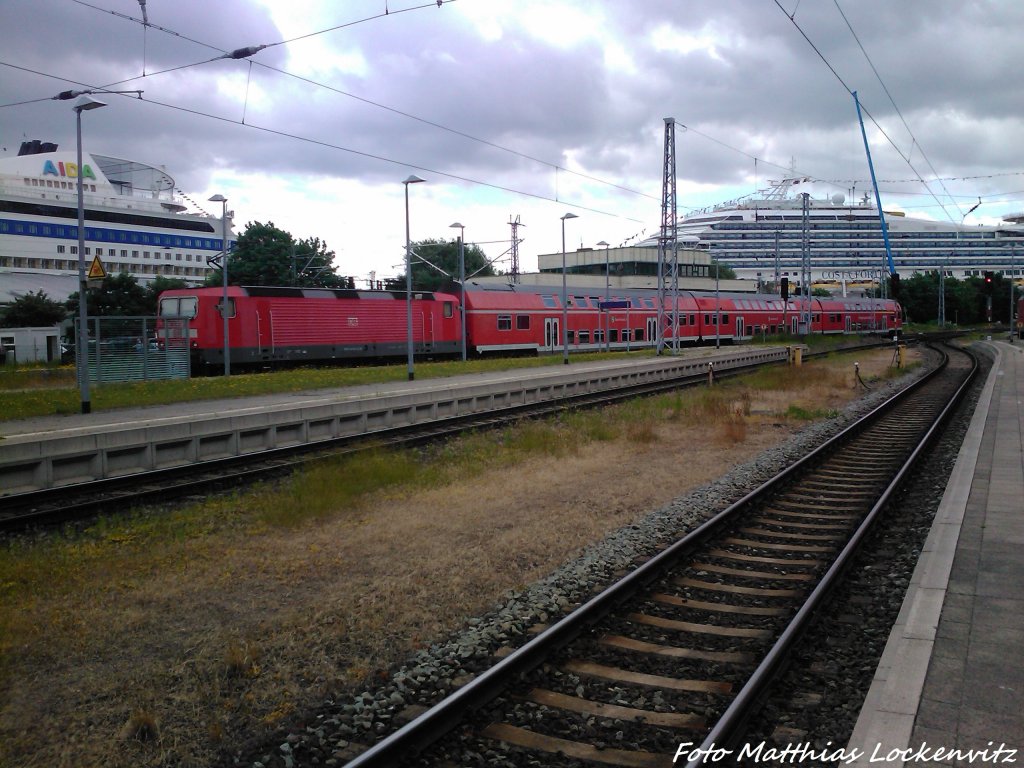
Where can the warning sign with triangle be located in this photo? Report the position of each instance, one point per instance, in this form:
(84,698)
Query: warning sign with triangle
(96,270)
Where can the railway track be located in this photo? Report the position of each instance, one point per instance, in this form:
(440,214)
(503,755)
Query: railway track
(75,502)
(674,657)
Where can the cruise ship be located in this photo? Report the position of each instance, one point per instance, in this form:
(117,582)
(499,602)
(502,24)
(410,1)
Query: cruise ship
(845,241)
(134,222)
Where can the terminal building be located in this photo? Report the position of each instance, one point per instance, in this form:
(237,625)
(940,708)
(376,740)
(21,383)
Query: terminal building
(626,267)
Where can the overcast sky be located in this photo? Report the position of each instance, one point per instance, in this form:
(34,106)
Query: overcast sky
(526,108)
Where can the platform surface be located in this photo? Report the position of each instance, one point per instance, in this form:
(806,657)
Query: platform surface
(952,675)
(102,420)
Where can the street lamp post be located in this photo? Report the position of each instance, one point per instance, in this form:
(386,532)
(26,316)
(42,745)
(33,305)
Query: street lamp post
(565,296)
(224,274)
(718,312)
(408,277)
(1010,271)
(462,285)
(83,103)
(607,296)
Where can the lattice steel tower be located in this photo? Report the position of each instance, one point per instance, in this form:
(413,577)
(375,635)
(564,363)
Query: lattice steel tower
(668,250)
(514,223)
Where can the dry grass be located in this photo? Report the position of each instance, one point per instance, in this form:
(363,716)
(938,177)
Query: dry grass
(160,640)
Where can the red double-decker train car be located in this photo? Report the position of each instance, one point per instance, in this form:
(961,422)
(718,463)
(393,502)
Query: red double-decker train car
(515,318)
(276,326)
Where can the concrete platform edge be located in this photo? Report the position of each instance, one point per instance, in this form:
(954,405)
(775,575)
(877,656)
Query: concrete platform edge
(887,718)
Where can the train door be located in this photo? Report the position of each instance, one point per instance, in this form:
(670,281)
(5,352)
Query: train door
(849,324)
(264,331)
(652,330)
(552,338)
(796,323)
(427,318)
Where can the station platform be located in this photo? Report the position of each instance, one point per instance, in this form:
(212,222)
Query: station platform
(57,451)
(951,676)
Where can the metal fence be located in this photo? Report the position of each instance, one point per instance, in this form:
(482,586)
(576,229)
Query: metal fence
(131,349)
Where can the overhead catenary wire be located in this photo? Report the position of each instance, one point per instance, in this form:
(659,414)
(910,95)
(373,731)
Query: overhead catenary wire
(885,88)
(360,153)
(555,166)
(888,138)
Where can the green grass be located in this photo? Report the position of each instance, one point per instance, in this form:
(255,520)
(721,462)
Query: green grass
(805,414)
(52,391)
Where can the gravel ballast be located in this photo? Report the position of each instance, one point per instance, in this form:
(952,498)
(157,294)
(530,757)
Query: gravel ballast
(343,726)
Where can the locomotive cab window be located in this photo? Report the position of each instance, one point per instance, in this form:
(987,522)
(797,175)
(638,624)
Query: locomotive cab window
(448,309)
(230,308)
(179,306)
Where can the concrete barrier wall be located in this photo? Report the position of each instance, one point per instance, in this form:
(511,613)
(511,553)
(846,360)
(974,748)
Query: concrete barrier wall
(80,455)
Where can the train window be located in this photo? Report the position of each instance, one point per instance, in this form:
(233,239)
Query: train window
(448,309)
(220,306)
(625,334)
(570,337)
(504,322)
(549,301)
(584,337)
(599,336)
(178,306)
(613,334)
(707,319)
(693,319)
(725,318)
(522,322)
(579,301)
(638,334)
(682,319)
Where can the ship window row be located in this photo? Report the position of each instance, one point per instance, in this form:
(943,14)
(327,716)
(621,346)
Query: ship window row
(764,239)
(112,267)
(817,229)
(56,184)
(104,234)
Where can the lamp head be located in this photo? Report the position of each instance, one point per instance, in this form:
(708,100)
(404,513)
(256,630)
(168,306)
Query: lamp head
(570,216)
(456,225)
(217,199)
(603,243)
(413,180)
(85,102)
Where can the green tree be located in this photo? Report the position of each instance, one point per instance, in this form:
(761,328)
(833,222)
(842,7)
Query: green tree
(267,255)
(157,286)
(33,310)
(919,297)
(118,295)
(725,272)
(435,264)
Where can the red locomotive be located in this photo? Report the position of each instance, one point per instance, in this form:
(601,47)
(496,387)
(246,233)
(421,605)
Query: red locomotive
(269,326)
